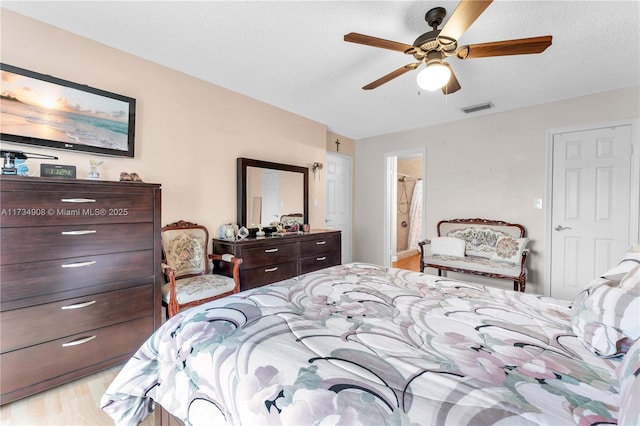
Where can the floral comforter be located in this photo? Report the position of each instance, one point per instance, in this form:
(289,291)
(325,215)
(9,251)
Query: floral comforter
(360,344)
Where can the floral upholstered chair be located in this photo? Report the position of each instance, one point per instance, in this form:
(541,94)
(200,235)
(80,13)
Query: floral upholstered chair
(292,220)
(186,265)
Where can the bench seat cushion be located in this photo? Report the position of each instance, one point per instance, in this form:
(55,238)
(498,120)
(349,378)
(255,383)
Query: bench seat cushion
(474,263)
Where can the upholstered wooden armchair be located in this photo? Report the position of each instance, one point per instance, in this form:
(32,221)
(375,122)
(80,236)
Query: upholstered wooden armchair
(186,265)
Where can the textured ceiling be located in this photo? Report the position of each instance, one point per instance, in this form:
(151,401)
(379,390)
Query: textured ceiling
(292,54)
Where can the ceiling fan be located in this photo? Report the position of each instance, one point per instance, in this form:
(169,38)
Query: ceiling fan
(432,47)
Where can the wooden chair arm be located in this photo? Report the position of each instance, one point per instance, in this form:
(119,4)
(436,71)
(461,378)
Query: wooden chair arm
(168,270)
(422,243)
(229,258)
(170,273)
(525,253)
(226,258)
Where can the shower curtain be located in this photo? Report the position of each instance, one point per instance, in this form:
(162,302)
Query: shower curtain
(415,216)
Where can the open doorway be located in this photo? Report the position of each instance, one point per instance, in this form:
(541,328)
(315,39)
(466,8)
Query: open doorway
(405,208)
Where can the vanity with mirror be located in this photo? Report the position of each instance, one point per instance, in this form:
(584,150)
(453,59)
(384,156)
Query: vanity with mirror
(274,198)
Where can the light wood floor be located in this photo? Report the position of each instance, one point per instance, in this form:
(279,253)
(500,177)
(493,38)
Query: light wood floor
(76,403)
(411,263)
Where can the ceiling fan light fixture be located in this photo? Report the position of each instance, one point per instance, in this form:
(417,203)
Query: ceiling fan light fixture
(434,76)
(433,47)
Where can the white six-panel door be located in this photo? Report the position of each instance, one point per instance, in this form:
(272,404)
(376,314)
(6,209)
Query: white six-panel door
(591,193)
(338,206)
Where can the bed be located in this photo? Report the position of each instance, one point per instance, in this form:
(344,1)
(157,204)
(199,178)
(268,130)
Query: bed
(359,344)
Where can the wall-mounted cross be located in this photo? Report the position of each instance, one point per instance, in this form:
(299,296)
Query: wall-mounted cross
(337,145)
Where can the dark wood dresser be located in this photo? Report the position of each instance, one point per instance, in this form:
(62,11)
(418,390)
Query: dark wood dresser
(79,278)
(272,259)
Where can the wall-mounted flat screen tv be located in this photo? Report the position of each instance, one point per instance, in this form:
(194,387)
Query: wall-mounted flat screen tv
(38,109)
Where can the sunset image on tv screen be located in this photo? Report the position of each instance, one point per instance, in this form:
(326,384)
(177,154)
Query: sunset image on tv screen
(34,108)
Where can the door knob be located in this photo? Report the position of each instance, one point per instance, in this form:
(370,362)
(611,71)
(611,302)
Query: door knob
(561,228)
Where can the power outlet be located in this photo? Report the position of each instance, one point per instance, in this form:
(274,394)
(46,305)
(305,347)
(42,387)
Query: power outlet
(537,203)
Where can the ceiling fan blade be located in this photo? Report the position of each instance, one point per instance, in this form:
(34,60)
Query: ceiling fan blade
(391,76)
(465,14)
(521,46)
(377,42)
(452,85)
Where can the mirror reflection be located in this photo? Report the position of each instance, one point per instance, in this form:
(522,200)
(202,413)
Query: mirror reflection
(273,196)
(270,193)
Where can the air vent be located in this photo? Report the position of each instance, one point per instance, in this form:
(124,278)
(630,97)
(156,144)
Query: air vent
(475,108)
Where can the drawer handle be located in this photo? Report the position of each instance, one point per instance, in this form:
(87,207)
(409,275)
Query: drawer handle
(78,200)
(273,250)
(83,232)
(79,305)
(78,341)
(78,264)
(271,269)
(321,243)
(320,259)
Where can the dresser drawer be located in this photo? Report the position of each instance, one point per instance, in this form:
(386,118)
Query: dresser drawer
(47,361)
(269,254)
(257,277)
(320,246)
(40,208)
(29,244)
(35,279)
(41,323)
(313,263)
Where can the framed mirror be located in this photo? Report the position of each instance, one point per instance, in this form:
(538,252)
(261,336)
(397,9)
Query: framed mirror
(271,192)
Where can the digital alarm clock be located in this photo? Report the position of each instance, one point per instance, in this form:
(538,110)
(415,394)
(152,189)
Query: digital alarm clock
(57,170)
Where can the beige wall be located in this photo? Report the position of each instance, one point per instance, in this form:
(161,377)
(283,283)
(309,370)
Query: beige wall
(492,167)
(188,132)
(346,146)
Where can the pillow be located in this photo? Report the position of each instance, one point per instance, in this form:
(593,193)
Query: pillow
(605,315)
(509,249)
(628,373)
(447,246)
(630,260)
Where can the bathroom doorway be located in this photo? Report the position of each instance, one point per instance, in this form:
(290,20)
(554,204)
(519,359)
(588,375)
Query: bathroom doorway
(405,218)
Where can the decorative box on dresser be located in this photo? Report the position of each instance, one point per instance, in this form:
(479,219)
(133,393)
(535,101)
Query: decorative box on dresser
(270,259)
(80,285)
